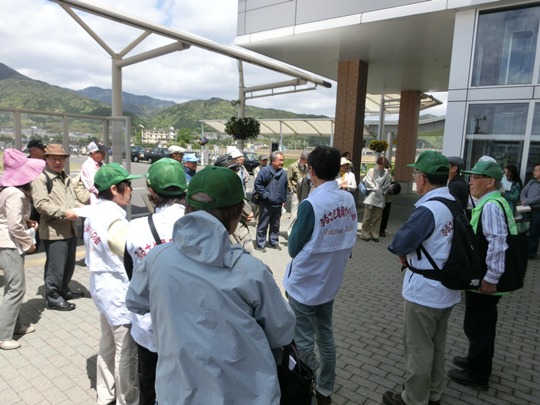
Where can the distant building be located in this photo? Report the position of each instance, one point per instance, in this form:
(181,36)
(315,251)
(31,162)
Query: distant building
(156,136)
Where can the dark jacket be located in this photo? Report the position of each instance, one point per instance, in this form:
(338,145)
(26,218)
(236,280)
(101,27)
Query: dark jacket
(272,192)
(459,190)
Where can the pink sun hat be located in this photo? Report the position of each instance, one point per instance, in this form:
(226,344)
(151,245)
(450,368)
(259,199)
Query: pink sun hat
(18,169)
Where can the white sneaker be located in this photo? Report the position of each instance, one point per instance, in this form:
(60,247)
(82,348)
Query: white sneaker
(9,344)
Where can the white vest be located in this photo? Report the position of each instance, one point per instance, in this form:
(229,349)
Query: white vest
(417,288)
(108,278)
(336,221)
(99,256)
(315,275)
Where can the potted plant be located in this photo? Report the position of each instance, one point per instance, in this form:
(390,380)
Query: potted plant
(242,128)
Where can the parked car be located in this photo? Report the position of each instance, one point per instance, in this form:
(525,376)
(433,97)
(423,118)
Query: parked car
(138,153)
(157,153)
(251,161)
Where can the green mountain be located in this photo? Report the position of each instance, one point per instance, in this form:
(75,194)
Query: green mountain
(142,106)
(189,114)
(19,91)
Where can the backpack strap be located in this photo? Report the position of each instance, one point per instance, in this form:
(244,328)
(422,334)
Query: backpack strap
(430,273)
(153,230)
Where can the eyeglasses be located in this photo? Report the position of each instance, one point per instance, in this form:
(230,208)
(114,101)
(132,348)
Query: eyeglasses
(415,173)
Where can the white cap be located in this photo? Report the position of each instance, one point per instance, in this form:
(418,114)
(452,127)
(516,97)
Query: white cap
(92,147)
(344,161)
(486,158)
(233,152)
(176,149)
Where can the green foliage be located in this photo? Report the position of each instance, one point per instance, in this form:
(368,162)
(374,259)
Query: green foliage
(243,128)
(190,114)
(378,146)
(184,136)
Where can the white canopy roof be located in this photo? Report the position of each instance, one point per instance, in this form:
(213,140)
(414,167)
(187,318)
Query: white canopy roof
(290,126)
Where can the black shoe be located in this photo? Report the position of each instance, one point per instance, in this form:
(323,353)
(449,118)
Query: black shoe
(70,295)
(434,402)
(375,239)
(464,377)
(260,249)
(392,398)
(461,362)
(277,247)
(322,400)
(382,234)
(62,306)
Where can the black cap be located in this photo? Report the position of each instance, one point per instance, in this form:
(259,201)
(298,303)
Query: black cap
(36,143)
(226,161)
(456,161)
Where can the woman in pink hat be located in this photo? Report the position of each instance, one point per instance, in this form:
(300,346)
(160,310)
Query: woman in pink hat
(16,239)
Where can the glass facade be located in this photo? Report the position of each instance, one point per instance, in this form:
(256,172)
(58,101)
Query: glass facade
(505,47)
(496,130)
(505,55)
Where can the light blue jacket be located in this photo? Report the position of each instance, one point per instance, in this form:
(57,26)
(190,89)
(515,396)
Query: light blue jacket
(217,313)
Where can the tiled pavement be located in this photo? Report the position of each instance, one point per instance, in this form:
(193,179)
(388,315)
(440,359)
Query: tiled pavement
(56,364)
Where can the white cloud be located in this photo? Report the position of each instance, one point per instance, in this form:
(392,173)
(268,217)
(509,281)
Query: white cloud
(40,40)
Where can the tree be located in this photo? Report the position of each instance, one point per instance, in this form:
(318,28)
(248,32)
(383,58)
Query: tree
(242,128)
(184,136)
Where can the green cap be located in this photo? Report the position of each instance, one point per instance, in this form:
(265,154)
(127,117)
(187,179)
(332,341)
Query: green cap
(488,169)
(431,162)
(111,174)
(222,185)
(167,173)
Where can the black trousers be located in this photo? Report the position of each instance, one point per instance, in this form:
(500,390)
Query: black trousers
(385,216)
(59,267)
(147,375)
(480,325)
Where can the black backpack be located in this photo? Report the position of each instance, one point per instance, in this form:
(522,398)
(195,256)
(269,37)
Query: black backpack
(463,269)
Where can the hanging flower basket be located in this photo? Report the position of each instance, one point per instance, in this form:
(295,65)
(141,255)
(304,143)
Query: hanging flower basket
(243,128)
(378,146)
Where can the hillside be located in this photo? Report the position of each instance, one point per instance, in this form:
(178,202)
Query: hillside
(189,114)
(19,91)
(142,106)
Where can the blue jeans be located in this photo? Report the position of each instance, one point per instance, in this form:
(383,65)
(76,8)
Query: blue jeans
(314,324)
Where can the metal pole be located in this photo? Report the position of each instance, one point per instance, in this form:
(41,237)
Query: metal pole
(381,120)
(116,111)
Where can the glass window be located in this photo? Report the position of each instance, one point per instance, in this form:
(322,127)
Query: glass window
(505,47)
(534,149)
(496,130)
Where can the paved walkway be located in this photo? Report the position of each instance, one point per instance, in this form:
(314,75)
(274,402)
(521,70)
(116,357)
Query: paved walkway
(56,364)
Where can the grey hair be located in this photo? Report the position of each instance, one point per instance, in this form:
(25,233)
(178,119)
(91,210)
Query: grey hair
(273,155)
(304,155)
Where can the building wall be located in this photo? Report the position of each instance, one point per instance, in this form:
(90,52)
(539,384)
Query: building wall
(265,15)
(494,93)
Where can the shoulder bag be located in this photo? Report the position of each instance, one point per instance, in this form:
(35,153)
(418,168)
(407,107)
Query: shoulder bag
(256,197)
(296,379)
(515,259)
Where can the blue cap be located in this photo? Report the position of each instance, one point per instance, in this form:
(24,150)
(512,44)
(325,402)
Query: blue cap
(190,158)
